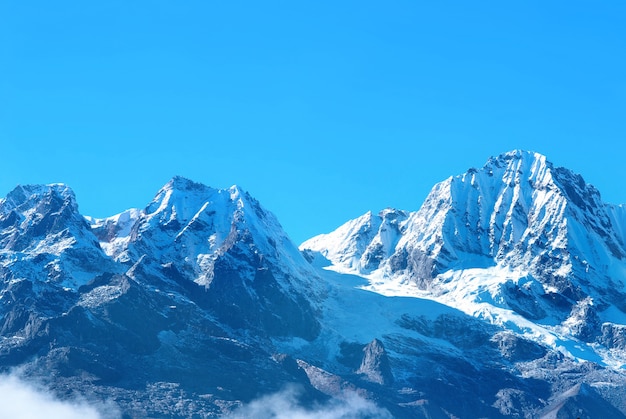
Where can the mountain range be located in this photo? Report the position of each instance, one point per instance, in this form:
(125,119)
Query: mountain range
(504,295)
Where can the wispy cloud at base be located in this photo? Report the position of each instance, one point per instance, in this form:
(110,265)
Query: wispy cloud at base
(22,400)
(285,405)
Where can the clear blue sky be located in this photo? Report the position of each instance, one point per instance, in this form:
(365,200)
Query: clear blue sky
(320,109)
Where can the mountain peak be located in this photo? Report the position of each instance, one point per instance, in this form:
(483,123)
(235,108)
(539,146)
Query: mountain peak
(183,184)
(519,160)
(519,154)
(223,245)
(516,156)
(42,225)
(24,196)
(236,192)
(391,213)
(181,198)
(180,183)
(517,210)
(200,302)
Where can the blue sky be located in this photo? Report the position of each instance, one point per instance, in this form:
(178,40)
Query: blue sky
(321,110)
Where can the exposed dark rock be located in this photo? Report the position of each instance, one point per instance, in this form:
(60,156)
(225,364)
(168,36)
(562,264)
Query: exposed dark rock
(522,301)
(613,336)
(375,364)
(584,321)
(516,349)
(580,402)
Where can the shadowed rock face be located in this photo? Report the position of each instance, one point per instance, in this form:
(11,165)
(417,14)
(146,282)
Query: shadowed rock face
(613,336)
(514,348)
(260,305)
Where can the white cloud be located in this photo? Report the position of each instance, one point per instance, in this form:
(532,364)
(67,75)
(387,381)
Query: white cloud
(285,405)
(22,400)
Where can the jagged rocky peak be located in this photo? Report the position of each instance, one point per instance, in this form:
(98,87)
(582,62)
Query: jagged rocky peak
(54,242)
(519,160)
(184,211)
(182,185)
(488,211)
(36,197)
(514,166)
(375,364)
(31,212)
(181,200)
(189,225)
(521,178)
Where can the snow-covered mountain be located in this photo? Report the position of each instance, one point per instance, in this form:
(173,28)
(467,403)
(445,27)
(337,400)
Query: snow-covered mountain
(518,237)
(518,210)
(502,296)
(519,244)
(223,242)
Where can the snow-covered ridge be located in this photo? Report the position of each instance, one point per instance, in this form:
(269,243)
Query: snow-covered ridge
(518,241)
(517,209)
(187,223)
(190,227)
(24,197)
(217,247)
